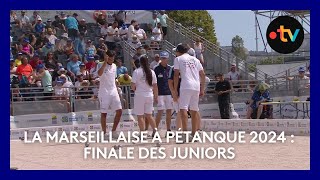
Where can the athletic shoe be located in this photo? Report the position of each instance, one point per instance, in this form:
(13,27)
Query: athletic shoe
(166,133)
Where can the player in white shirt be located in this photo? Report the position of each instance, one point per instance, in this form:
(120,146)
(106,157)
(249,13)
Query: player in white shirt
(192,85)
(144,85)
(108,92)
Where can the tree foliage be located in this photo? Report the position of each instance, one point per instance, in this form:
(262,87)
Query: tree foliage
(238,48)
(198,21)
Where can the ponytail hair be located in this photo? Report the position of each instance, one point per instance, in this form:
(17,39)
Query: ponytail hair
(146,69)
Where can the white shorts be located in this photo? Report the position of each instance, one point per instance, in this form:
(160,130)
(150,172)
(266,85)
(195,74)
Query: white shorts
(109,102)
(176,107)
(190,99)
(143,105)
(165,102)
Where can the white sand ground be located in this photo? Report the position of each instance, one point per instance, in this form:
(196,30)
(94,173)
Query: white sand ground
(289,156)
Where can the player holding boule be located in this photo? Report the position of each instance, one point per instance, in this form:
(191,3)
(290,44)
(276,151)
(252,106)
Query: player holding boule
(108,92)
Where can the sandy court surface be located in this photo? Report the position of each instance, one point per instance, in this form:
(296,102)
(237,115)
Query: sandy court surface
(290,156)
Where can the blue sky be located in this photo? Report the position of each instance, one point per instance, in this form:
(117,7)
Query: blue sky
(229,23)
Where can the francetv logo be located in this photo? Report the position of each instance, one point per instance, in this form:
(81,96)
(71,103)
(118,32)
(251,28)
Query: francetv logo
(285,34)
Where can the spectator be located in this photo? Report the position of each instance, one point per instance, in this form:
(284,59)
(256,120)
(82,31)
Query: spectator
(131,30)
(35,17)
(18,61)
(28,35)
(46,79)
(124,79)
(261,94)
(120,17)
(234,77)
(95,90)
(199,49)
(13,18)
(157,32)
(66,83)
(47,48)
(58,24)
(13,69)
(64,39)
(303,80)
(79,46)
(24,70)
(64,72)
(50,26)
(140,33)
(163,20)
(223,89)
(135,62)
(83,27)
(154,45)
(41,41)
(101,20)
(24,19)
(102,47)
(120,69)
(80,79)
(135,42)
(39,27)
(191,51)
(73,66)
(26,48)
(84,72)
(104,30)
(112,34)
(69,48)
(75,15)
(123,32)
(83,92)
(90,64)
(90,49)
(72,27)
(50,62)
(51,37)
(155,62)
(60,92)
(154,22)
(35,61)
(94,71)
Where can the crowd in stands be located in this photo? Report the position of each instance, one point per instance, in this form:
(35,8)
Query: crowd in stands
(59,54)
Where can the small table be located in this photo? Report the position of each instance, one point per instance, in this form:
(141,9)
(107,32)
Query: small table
(305,107)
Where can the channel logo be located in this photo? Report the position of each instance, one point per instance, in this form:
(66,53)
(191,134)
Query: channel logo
(285,34)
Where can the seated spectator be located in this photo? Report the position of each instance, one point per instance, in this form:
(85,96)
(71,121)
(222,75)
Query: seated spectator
(58,24)
(123,32)
(13,69)
(51,37)
(63,18)
(69,48)
(47,49)
(35,61)
(154,45)
(35,17)
(39,27)
(41,41)
(234,76)
(157,32)
(153,22)
(79,46)
(155,62)
(24,19)
(18,61)
(50,62)
(73,66)
(26,49)
(112,34)
(79,80)
(261,94)
(124,79)
(67,84)
(83,27)
(46,79)
(25,70)
(95,90)
(140,33)
(63,72)
(50,26)
(101,47)
(135,42)
(13,17)
(135,62)
(64,39)
(84,72)
(60,92)
(101,20)
(84,91)
(90,64)
(131,30)
(120,69)
(94,71)
(90,49)
(29,36)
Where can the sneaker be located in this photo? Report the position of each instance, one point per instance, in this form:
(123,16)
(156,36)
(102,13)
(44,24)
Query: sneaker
(167,132)
(153,133)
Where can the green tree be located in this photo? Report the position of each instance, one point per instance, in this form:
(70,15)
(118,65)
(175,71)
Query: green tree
(238,48)
(198,21)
